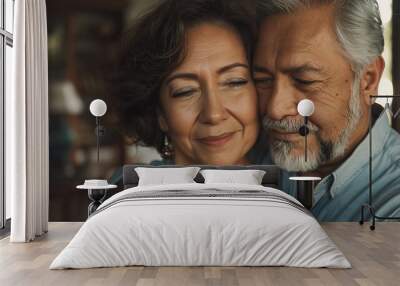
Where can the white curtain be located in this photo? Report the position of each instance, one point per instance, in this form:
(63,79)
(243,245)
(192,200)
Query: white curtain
(27,159)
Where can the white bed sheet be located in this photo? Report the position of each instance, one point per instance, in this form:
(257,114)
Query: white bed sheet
(192,231)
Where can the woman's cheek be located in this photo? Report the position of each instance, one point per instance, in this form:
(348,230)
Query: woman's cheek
(244,107)
(181,119)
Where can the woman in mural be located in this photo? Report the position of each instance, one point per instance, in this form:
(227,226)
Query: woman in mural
(184,82)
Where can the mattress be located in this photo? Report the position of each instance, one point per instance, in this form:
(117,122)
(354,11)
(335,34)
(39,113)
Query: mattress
(201,225)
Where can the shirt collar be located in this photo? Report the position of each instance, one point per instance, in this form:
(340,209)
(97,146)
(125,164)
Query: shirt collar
(360,156)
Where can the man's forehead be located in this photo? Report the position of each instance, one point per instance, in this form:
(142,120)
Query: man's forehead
(294,39)
(291,54)
(301,28)
(296,63)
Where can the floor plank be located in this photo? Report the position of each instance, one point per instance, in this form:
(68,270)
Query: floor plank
(375,257)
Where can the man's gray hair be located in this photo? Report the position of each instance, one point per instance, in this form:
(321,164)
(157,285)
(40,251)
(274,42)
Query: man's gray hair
(358,25)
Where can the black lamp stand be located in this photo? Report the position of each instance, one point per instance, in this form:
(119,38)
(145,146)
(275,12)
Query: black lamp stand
(370,206)
(303,131)
(99,133)
(97,196)
(305,138)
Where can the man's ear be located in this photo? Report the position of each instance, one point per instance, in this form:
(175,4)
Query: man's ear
(370,79)
(161,121)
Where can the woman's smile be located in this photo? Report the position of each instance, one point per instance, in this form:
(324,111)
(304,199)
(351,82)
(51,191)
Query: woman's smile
(217,141)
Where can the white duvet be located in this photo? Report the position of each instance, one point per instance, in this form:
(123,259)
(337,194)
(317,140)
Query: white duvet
(207,230)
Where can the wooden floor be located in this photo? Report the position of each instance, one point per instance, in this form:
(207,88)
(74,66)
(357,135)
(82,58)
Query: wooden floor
(375,256)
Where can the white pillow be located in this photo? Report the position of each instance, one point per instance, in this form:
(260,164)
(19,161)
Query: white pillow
(248,177)
(162,176)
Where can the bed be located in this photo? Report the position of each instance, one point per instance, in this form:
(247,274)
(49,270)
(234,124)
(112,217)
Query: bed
(201,224)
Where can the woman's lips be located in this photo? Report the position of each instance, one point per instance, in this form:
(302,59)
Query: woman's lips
(217,141)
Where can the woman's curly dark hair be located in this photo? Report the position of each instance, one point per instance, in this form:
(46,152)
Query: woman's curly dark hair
(154,47)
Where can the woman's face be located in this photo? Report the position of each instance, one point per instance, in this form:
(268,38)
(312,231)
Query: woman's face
(209,103)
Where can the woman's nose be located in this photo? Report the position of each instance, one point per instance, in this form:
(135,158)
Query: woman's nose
(213,110)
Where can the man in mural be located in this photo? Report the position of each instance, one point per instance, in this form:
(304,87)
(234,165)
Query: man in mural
(328,52)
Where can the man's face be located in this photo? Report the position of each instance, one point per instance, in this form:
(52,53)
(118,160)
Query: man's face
(298,57)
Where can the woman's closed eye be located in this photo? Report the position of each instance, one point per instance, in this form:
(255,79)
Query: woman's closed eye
(184,92)
(236,82)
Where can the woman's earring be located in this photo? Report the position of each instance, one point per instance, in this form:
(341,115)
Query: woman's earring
(167,149)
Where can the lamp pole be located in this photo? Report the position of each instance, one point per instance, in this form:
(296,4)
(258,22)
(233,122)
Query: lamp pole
(98,139)
(305,108)
(98,108)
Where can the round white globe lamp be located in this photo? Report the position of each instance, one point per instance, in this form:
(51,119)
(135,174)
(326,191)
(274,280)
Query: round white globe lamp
(305,107)
(98,108)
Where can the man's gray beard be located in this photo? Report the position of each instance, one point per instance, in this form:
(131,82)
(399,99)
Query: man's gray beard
(328,150)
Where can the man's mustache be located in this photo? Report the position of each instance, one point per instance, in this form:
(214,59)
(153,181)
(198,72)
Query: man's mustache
(287,125)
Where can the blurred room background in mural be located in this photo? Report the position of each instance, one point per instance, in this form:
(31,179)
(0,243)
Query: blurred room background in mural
(83,37)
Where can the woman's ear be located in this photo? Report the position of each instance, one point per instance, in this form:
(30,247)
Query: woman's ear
(370,79)
(162,122)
